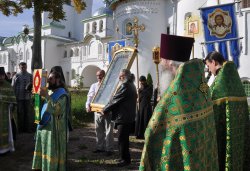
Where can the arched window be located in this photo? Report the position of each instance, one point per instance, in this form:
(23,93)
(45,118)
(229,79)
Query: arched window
(71,53)
(94,27)
(77,52)
(128,29)
(99,49)
(100,26)
(4,59)
(87,28)
(65,54)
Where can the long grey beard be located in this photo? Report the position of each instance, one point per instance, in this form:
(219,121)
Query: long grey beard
(166,78)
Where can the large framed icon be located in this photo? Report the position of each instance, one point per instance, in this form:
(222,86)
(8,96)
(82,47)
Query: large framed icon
(123,59)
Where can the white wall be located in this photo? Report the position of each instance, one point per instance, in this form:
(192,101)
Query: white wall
(149,13)
(244,27)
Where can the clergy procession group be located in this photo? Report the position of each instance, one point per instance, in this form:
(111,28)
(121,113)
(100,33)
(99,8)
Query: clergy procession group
(193,127)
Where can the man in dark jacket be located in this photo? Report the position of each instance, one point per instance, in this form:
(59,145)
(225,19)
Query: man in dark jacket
(123,108)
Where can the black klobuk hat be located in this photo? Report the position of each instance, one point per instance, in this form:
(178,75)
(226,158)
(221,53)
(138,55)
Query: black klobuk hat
(177,48)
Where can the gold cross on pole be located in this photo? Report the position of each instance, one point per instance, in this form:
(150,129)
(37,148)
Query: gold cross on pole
(136,28)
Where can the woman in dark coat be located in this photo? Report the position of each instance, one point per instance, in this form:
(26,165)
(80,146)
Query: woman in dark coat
(145,109)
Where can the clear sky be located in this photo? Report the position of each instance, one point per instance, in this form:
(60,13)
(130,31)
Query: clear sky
(11,26)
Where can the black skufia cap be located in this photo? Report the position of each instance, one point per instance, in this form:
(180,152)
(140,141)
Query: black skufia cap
(2,72)
(177,48)
(142,78)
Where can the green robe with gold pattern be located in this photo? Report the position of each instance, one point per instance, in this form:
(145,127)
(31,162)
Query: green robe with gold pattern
(51,140)
(181,133)
(231,118)
(7,97)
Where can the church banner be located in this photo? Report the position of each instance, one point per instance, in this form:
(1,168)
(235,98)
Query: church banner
(114,46)
(39,81)
(220,26)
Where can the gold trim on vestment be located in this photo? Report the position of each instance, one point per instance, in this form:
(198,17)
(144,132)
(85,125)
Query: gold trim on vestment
(47,157)
(189,117)
(231,99)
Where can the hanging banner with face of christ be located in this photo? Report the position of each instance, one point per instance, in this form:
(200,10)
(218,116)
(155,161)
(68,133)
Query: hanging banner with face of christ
(220,26)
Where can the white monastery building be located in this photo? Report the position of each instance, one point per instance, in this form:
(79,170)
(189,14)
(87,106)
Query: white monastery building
(80,43)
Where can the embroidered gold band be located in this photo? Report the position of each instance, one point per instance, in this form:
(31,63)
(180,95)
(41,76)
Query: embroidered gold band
(49,158)
(230,99)
(189,117)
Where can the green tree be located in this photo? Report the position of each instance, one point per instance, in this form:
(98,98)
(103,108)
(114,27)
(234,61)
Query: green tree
(56,13)
(149,79)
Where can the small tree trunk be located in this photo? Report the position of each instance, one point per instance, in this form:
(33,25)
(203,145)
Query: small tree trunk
(36,62)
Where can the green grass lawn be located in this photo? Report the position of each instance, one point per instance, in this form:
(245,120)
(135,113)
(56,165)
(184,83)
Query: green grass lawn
(79,114)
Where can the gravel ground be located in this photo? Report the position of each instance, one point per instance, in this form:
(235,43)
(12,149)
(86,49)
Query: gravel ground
(80,156)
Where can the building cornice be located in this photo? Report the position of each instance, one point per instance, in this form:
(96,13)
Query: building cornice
(94,18)
(65,39)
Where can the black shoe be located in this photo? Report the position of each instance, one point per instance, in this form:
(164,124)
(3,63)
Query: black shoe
(98,151)
(123,163)
(109,153)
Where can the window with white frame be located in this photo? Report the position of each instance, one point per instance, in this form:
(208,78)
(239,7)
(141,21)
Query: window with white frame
(71,53)
(65,54)
(101,26)
(94,27)
(87,28)
(77,52)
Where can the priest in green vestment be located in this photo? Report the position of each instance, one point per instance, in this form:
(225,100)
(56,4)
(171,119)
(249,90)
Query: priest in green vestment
(51,136)
(231,114)
(181,132)
(7,99)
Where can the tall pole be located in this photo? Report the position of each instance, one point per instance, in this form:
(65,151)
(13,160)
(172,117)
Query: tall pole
(193,48)
(136,28)
(218,2)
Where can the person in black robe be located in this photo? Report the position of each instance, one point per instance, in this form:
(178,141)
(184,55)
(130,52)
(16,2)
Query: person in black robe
(145,109)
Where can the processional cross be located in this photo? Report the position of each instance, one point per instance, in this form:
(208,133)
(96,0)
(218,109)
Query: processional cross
(136,28)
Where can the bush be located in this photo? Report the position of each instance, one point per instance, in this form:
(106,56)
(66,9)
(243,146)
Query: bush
(149,80)
(78,111)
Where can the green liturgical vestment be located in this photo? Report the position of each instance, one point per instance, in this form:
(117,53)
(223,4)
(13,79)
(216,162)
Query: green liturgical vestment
(181,133)
(231,118)
(7,97)
(51,139)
